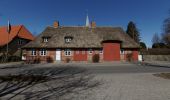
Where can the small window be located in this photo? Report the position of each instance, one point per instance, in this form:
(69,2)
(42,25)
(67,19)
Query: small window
(33,52)
(67,52)
(20,42)
(77,52)
(122,51)
(43,52)
(45,39)
(101,51)
(90,51)
(83,52)
(68,39)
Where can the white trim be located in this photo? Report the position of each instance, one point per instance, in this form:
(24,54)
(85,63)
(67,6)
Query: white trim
(33,52)
(101,51)
(68,39)
(90,51)
(67,52)
(45,39)
(43,52)
(83,52)
(122,51)
(77,52)
(20,42)
(58,54)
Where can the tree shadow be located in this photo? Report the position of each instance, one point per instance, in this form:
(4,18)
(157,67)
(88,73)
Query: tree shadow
(47,83)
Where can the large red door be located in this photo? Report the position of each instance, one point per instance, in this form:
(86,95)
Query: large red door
(111,51)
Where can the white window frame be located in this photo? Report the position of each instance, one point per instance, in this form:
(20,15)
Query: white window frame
(68,39)
(45,39)
(43,52)
(101,51)
(77,52)
(83,52)
(90,51)
(67,52)
(33,52)
(20,42)
(122,51)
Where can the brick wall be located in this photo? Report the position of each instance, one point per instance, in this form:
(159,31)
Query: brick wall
(50,55)
(113,54)
(133,52)
(95,51)
(80,55)
(64,58)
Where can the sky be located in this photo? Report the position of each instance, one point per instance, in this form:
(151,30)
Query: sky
(36,15)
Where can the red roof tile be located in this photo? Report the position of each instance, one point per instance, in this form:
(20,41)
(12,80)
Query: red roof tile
(18,30)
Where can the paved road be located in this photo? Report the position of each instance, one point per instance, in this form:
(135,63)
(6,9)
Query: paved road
(120,81)
(104,68)
(124,68)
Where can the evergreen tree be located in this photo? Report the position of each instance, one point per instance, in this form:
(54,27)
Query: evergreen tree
(142,45)
(133,32)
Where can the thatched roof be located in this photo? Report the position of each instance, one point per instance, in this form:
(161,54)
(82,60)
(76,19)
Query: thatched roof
(83,37)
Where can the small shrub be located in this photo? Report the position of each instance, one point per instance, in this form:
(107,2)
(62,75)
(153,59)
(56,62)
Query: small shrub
(37,61)
(96,58)
(3,58)
(68,60)
(49,60)
(14,58)
(129,57)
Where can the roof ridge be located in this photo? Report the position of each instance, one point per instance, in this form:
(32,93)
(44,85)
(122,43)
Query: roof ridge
(19,29)
(11,26)
(86,27)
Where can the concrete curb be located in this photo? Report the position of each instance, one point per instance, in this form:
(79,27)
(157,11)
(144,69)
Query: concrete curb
(155,64)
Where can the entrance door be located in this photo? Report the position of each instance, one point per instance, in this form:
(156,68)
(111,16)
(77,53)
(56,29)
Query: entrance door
(58,55)
(111,51)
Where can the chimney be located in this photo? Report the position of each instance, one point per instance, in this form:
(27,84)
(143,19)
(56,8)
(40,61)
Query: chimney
(93,24)
(56,24)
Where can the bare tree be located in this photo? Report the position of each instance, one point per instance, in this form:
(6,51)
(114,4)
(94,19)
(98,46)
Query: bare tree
(166,31)
(156,39)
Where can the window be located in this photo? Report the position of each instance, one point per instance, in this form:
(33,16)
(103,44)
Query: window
(45,39)
(67,52)
(101,51)
(68,39)
(77,52)
(33,52)
(43,52)
(122,51)
(90,51)
(83,52)
(20,42)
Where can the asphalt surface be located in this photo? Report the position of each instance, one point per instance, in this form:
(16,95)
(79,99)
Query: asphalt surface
(98,68)
(119,81)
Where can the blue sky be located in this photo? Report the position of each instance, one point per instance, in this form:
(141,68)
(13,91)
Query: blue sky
(37,14)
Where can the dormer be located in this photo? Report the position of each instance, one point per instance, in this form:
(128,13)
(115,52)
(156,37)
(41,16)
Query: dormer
(68,39)
(45,39)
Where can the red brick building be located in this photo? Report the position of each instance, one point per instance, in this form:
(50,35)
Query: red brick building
(79,43)
(18,37)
